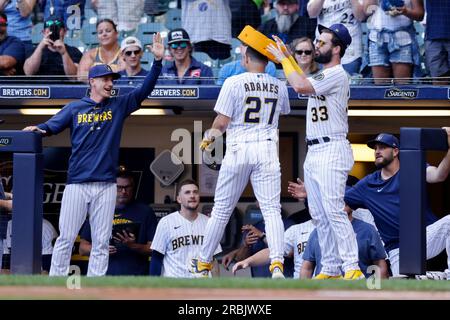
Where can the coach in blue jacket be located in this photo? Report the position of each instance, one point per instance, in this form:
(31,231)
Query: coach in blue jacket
(95,124)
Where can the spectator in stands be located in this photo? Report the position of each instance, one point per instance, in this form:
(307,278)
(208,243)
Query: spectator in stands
(52,56)
(132,51)
(49,236)
(19,20)
(393,47)
(185,69)
(288,24)
(304,52)
(12,51)
(245,12)
(127,13)
(370,251)
(108,51)
(437,43)
(128,253)
(71,11)
(209,24)
(236,67)
(350,14)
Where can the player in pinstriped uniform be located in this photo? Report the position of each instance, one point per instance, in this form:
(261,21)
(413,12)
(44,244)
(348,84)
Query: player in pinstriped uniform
(329,157)
(349,13)
(96,125)
(295,242)
(179,235)
(248,108)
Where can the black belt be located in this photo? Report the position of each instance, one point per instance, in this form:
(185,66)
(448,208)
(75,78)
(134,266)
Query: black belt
(317,141)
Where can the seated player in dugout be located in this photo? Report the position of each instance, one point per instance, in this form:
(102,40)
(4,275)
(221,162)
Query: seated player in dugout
(128,253)
(180,235)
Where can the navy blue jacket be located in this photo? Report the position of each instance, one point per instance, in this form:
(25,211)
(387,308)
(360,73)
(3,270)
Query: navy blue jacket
(192,76)
(95,130)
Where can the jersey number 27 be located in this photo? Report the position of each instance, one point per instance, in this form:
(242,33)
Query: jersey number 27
(252,112)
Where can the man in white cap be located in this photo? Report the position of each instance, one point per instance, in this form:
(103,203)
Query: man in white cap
(132,50)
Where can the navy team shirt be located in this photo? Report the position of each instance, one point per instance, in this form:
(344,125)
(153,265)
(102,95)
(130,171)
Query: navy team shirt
(127,261)
(382,199)
(370,248)
(95,131)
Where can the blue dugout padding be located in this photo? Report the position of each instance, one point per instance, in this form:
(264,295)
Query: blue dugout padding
(27,199)
(414,142)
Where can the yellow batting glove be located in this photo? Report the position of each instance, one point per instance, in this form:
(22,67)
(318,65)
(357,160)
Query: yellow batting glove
(205,143)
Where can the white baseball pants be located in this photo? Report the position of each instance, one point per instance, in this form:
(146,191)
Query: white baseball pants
(97,199)
(259,162)
(326,170)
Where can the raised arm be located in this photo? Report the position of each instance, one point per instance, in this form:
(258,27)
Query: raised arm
(440,173)
(314,7)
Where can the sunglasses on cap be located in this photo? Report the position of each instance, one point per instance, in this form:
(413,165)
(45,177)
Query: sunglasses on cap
(53,22)
(306,52)
(177,45)
(129,53)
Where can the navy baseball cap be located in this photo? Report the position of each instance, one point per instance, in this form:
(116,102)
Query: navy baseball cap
(178,35)
(386,139)
(340,31)
(102,70)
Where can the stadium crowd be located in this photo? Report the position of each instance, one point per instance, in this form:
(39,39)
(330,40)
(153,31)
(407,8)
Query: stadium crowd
(392,39)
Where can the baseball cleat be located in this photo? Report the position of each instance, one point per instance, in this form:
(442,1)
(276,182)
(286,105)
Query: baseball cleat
(354,275)
(200,269)
(433,275)
(276,268)
(323,276)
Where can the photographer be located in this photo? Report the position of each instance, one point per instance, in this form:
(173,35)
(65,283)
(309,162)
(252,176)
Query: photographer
(52,56)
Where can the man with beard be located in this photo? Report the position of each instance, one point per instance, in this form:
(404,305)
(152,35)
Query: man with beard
(12,50)
(330,157)
(380,193)
(288,24)
(179,235)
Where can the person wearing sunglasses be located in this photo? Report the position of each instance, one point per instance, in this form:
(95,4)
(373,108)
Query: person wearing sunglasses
(132,51)
(329,158)
(52,56)
(184,69)
(12,50)
(304,54)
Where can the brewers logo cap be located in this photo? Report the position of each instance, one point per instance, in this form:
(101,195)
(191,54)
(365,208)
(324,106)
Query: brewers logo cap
(102,70)
(178,35)
(386,139)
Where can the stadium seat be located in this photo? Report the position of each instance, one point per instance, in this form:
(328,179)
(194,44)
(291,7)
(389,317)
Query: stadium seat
(161,210)
(204,58)
(36,33)
(236,48)
(75,42)
(145,32)
(146,60)
(89,35)
(172,19)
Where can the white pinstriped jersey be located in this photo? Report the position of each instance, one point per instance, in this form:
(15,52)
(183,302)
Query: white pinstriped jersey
(340,11)
(328,108)
(48,234)
(179,240)
(254,102)
(295,240)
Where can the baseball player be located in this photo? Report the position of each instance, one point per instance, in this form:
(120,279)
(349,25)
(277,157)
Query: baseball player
(329,157)
(180,235)
(380,193)
(95,124)
(248,107)
(295,242)
(350,14)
